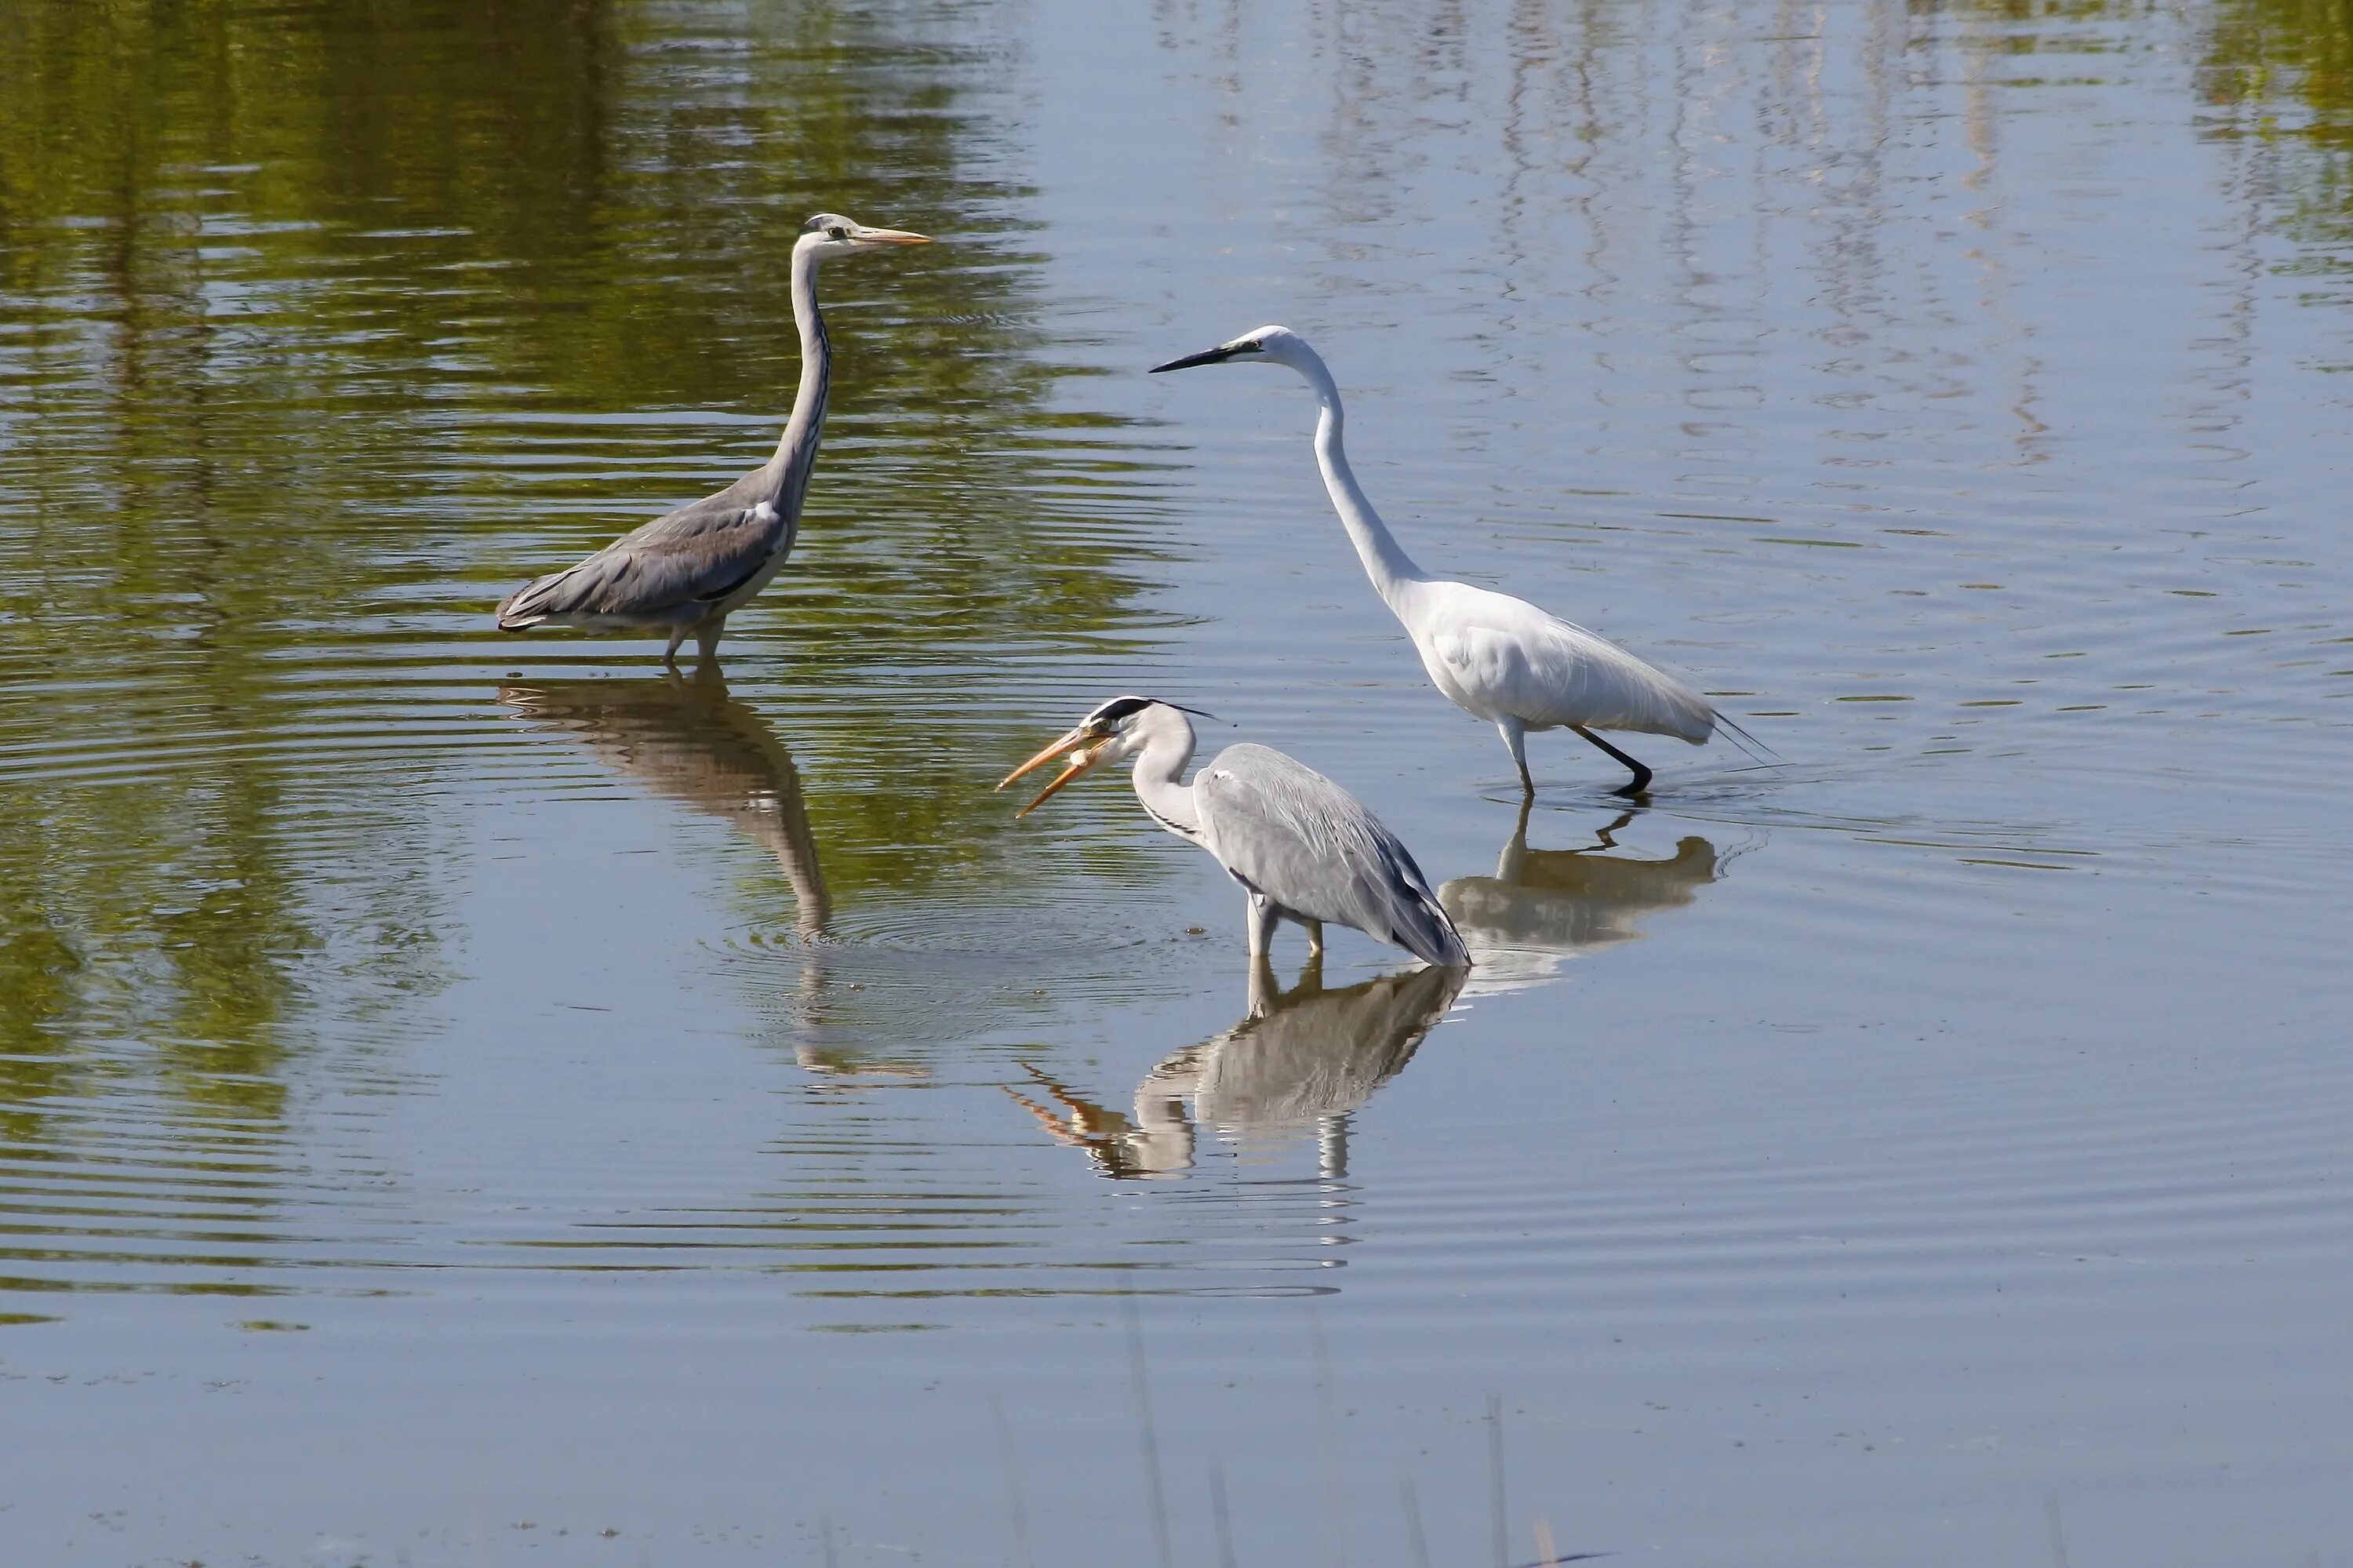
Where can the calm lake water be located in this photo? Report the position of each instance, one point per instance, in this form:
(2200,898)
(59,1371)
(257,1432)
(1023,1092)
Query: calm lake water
(473,1099)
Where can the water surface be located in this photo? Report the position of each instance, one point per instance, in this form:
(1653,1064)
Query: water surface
(482,1099)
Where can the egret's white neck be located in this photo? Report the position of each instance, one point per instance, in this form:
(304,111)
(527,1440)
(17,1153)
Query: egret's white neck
(1169,745)
(787,471)
(1392,570)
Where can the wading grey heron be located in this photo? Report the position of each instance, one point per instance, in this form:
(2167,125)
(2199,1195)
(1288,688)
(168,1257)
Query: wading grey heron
(1303,849)
(1497,658)
(685,572)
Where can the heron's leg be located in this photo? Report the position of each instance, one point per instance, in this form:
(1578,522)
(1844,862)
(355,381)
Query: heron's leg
(1264,989)
(1642,780)
(1261,927)
(706,641)
(1515,736)
(1314,939)
(669,654)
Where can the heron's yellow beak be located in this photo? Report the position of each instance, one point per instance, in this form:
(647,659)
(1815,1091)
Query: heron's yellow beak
(888,237)
(1083,749)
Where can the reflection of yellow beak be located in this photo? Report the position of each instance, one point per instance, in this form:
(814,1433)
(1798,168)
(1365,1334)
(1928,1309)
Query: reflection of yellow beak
(1083,749)
(887,236)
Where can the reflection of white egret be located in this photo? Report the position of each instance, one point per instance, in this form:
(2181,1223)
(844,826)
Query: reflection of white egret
(1303,1059)
(1541,905)
(1495,657)
(686,571)
(1303,849)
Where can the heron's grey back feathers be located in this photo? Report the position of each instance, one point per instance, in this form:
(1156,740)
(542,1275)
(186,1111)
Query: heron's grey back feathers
(1288,833)
(673,569)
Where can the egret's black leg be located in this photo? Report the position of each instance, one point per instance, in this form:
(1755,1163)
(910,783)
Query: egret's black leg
(1642,780)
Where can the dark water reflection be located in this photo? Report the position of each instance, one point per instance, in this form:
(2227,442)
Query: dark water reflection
(695,742)
(1541,905)
(1298,1064)
(602,1076)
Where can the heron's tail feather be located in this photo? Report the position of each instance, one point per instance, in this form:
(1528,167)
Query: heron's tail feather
(528,605)
(1432,939)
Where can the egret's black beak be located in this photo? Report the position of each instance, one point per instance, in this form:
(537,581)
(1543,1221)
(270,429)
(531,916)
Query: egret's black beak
(1223,352)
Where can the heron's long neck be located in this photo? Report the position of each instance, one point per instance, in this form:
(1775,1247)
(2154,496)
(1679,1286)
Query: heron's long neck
(1159,767)
(1392,570)
(787,472)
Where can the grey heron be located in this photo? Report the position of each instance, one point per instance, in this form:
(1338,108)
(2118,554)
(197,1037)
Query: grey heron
(685,572)
(1303,849)
(1497,658)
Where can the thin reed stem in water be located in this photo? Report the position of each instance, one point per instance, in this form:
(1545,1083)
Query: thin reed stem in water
(1154,1490)
(1413,1530)
(1012,1485)
(1217,1513)
(1495,1480)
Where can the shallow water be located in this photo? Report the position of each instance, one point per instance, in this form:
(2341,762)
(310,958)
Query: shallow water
(479,1099)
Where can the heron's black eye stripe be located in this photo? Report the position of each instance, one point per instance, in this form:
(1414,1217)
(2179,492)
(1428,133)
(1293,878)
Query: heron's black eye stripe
(1118,708)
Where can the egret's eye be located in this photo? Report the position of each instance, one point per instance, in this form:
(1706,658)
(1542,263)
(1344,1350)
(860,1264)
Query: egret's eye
(838,232)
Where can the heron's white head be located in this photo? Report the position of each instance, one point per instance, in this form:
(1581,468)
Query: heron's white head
(1113,732)
(1266,346)
(829,233)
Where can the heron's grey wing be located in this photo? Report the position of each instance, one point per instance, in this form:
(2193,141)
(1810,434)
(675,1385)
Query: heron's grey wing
(1285,830)
(697,555)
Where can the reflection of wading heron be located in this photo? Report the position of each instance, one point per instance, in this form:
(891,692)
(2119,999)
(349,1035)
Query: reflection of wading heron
(1497,658)
(687,571)
(1304,1058)
(1302,848)
(1544,905)
(691,742)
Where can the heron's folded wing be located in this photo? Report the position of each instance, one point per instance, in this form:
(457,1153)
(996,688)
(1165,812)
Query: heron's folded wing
(692,556)
(1286,830)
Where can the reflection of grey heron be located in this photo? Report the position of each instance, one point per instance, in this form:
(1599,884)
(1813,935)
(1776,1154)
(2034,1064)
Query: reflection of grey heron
(687,571)
(1544,905)
(1497,658)
(693,742)
(1304,1058)
(1302,848)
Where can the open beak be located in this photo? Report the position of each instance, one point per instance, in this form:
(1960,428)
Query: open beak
(1223,352)
(888,237)
(1078,745)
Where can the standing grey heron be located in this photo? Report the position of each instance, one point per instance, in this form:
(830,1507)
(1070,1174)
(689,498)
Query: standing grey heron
(1302,848)
(686,572)
(1497,658)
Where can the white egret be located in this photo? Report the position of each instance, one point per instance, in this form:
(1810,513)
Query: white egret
(1497,658)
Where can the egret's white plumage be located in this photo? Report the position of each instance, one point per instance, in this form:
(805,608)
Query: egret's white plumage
(1303,849)
(1498,658)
